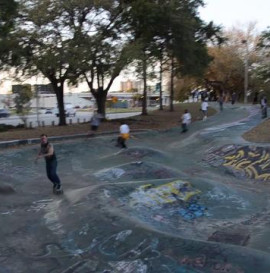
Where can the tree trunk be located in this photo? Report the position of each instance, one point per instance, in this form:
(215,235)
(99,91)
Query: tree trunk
(172,86)
(59,91)
(144,102)
(100,97)
(160,90)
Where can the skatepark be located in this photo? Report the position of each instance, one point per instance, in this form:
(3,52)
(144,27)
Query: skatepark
(171,202)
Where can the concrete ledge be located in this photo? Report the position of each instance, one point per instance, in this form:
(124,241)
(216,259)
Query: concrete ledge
(14,143)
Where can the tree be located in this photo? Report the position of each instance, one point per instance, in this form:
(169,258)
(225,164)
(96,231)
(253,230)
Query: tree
(22,102)
(8,12)
(71,41)
(7,15)
(261,69)
(227,67)
(171,30)
(184,85)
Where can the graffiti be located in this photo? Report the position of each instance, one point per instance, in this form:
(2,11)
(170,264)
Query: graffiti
(136,170)
(236,237)
(151,196)
(138,153)
(200,262)
(247,161)
(84,231)
(224,196)
(176,198)
(136,266)
(197,262)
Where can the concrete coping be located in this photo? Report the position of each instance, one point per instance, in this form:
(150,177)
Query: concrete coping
(20,142)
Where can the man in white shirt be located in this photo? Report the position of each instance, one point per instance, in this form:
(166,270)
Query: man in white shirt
(186,120)
(204,107)
(124,135)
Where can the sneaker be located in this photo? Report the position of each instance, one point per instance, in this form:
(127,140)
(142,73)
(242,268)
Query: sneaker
(58,189)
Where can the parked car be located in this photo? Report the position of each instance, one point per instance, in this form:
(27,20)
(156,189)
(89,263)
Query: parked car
(69,110)
(49,111)
(4,113)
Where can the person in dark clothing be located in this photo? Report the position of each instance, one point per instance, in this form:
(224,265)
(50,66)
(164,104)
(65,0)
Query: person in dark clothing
(255,99)
(47,152)
(233,97)
(220,101)
(264,107)
(95,122)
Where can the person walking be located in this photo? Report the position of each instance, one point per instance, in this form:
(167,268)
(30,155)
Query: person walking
(48,153)
(220,101)
(264,106)
(233,98)
(124,135)
(94,122)
(186,120)
(204,107)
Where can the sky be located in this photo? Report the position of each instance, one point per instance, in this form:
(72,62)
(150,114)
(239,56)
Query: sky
(230,13)
(227,13)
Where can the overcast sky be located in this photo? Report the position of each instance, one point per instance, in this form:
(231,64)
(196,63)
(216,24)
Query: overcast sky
(227,13)
(237,12)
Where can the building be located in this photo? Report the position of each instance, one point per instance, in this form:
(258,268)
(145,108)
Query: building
(43,89)
(131,86)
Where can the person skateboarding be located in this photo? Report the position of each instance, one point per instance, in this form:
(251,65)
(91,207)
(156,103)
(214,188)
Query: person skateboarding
(124,135)
(47,152)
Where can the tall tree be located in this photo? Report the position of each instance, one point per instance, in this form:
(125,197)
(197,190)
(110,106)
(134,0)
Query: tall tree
(173,30)
(23,102)
(261,69)
(8,12)
(228,64)
(69,41)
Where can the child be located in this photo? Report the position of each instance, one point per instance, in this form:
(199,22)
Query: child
(186,119)
(124,135)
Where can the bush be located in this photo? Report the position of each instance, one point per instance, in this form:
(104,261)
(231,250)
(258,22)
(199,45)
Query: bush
(6,127)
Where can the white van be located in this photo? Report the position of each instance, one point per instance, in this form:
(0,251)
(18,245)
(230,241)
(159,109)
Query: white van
(69,110)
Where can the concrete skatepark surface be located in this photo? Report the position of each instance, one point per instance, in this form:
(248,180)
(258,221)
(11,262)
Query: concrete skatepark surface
(171,202)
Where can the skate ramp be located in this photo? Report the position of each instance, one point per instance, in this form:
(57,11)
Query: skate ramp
(171,202)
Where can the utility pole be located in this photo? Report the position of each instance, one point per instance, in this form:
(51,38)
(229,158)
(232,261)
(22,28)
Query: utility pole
(37,104)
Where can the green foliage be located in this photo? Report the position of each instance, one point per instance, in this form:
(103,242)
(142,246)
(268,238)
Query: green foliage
(262,69)
(7,14)
(22,102)
(93,41)
(7,127)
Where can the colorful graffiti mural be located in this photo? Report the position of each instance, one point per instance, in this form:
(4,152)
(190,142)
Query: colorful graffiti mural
(178,198)
(244,161)
(151,196)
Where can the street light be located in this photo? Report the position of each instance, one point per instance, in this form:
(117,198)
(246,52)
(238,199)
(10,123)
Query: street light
(246,71)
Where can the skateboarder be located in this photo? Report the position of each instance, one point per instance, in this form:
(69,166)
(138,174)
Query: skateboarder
(204,108)
(124,135)
(186,120)
(47,152)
